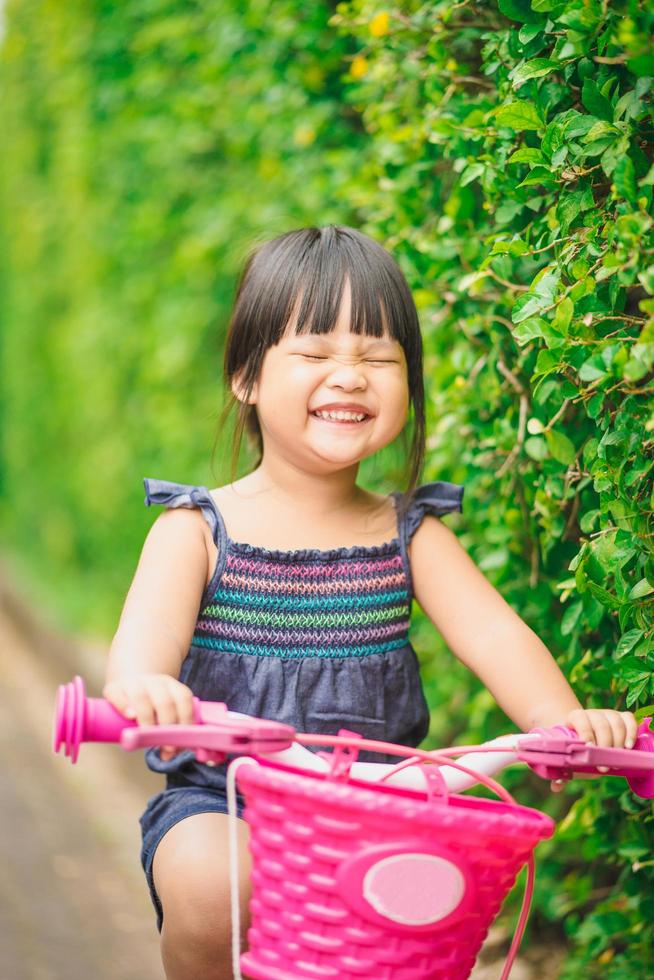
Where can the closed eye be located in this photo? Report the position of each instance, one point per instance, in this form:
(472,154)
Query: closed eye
(367,360)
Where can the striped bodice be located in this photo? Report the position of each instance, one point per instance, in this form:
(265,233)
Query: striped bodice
(352,602)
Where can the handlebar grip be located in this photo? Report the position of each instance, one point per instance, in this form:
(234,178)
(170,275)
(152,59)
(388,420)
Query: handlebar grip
(80,719)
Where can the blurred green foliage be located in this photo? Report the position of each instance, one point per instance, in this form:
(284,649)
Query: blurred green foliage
(503,150)
(146,146)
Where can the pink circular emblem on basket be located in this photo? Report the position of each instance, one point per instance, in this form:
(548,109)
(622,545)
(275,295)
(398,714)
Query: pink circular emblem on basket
(410,883)
(415,889)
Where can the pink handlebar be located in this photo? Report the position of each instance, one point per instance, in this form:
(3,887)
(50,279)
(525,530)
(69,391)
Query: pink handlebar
(217,732)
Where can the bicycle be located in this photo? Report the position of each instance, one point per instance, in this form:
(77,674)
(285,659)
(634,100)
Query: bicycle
(366,869)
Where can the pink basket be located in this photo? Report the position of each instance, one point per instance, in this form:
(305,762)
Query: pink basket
(354,881)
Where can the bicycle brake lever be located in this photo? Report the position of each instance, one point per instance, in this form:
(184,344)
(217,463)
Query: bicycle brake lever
(555,756)
(213,740)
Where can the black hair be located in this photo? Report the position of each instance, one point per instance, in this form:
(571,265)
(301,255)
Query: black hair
(308,268)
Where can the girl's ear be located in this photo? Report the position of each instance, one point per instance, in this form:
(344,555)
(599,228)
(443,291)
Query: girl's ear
(238,390)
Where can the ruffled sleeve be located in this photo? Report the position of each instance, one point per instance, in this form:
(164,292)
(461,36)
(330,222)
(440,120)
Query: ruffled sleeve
(433,498)
(168,494)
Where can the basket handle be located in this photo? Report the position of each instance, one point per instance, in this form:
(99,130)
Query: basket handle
(435,782)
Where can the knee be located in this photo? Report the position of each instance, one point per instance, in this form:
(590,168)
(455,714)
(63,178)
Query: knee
(196,937)
(198,917)
(197,914)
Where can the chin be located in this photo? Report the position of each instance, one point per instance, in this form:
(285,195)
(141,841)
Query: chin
(339,463)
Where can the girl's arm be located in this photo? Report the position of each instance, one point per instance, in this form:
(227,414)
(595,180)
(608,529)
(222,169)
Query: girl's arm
(157,622)
(485,633)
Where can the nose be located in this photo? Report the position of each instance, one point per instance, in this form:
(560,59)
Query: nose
(348,376)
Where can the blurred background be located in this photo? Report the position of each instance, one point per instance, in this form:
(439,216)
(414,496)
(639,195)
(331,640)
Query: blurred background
(502,151)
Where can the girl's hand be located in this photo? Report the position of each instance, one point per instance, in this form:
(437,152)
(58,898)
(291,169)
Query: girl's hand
(603,727)
(152,699)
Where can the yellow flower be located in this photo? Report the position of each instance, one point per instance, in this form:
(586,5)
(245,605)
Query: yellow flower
(451,64)
(379,25)
(359,66)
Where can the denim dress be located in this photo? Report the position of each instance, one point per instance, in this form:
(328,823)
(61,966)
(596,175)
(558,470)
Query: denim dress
(315,639)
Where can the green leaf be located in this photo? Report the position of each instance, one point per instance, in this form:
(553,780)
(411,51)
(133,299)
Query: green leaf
(560,447)
(591,370)
(627,642)
(600,130)
(528,32)
(641,589)
(538,175)
(571,618)
(637,692)
(581,17)
(473,172)
(639,363)
(546,362)
(563,314)
(528,304)
(519,10)
(534,327)
(519,116)
(595,404)
(595,102)
(571,204)
(536,448)
(513,247)
(624,178)
(528,154)
(535,68)
(606,598)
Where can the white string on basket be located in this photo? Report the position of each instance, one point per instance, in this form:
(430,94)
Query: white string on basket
(233,860)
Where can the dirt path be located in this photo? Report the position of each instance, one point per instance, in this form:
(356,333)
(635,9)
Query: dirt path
(73,904)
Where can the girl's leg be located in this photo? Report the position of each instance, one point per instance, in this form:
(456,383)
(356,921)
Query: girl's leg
(191,875)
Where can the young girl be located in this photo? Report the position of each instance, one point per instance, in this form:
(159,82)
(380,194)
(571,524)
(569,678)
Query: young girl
(287,593)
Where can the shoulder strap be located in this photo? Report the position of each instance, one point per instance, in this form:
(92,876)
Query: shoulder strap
(433,498)
(168,494)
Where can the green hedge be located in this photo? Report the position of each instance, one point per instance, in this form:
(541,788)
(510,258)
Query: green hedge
(510,165)
(503,151)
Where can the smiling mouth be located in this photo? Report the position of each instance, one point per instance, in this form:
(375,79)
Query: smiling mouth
(351,420)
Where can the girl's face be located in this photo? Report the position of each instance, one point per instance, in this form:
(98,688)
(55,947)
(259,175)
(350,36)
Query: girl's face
(328,401)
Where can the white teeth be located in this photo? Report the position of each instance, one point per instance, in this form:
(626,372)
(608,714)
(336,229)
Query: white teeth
(341,416)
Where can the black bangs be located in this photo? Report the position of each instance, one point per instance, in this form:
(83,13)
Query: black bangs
(380,298)
(298,279)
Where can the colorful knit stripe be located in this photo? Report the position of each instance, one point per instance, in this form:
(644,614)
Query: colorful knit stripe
(322,620)
(250,599)
(273,606)
(284,637)
(315,588)
(296,652)
(345,567)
